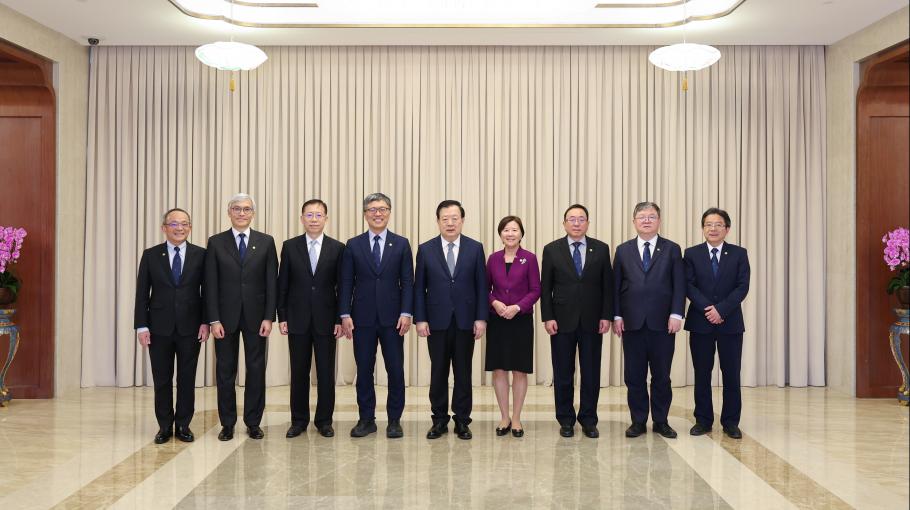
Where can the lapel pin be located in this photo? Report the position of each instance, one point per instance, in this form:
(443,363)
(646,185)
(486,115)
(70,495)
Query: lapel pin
(658,249)
(254,247)
(725,253)
(164,254)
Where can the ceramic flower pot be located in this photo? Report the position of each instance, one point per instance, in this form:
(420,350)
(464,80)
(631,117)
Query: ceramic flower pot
(903,296)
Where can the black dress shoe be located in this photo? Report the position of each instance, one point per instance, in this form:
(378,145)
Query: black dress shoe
(463,431)
(227,433)
(518,432)
(163,435)
(255,432)
(664,429)
(733,432)
(501,431)
(437,430)
(295,430)
(636,429)
(363,428)
(185,434)
(699,430)
(566,430)
(326,431)
(393,430)
(591,431)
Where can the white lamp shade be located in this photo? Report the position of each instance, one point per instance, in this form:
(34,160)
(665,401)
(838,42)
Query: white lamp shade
(684,57)
(231,56)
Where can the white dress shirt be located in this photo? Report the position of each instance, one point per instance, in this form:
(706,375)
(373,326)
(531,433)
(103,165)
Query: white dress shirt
(583,249)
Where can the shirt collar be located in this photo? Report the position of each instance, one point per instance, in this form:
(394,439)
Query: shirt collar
(171,247)
(238,232)
(318,239)
(583,241)
(383,236)
(720,249)
(445,244)
(641,242)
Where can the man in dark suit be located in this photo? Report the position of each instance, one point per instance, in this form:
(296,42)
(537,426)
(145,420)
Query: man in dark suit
(650,300)
(717,274)
(377,286)
(241,274)
(451,308)
(168,318)
(576,304)
(308,311)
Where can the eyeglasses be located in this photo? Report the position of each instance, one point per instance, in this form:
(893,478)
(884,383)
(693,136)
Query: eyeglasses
(378,210)
(244,210)
(715,225)
(314,216)
(577,220)
(174,224)
(650,217)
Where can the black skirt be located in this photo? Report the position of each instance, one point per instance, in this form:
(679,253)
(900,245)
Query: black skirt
(510,343)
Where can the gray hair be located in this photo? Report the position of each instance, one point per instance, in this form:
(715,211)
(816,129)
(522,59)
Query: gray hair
(376,197)
(641,206)
(241,197)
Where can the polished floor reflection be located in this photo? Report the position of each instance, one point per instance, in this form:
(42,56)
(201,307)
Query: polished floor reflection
(803,448)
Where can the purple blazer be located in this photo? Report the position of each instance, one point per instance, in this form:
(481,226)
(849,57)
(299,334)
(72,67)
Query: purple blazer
(521,286)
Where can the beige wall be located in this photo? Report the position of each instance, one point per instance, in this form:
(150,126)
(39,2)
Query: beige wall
(71,82)
(842,80)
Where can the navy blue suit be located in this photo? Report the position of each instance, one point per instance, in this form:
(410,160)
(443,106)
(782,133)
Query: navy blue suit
(450,303)
(645,300)
(725,292)
(375,298)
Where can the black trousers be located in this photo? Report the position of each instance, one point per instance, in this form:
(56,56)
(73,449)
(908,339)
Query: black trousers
(730,353)
(227,351)
(301,348)
(642,350)
(589,347)
(162,352)
(453,348)
(366,341)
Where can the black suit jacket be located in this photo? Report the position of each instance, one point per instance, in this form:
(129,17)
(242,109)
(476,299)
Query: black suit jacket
(232,286)
(726,292)
(163,306)
(439,296)
(649,298)
(576,303)
(304,297)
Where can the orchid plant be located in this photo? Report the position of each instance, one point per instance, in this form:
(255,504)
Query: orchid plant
(10,246)
(897,256)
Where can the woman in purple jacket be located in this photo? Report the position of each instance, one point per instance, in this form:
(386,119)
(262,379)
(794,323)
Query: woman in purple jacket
(514,279)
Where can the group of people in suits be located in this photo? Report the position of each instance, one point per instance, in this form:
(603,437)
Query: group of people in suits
(368,290)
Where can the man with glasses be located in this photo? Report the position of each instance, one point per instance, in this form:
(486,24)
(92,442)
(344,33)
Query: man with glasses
(308,312)
(375,304)
(576,304)
(168,318)
(241,272)
(650,300)
(717,274)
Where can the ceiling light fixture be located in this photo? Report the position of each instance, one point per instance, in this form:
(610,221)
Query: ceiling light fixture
(684,56)
(231,55)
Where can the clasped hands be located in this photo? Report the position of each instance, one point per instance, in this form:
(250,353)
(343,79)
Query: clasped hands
(505,311)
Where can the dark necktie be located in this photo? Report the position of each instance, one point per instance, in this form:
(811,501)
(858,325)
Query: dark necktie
(646,257)
(715,264)
(576,257)
(176,266)
(377,253)
(242,246)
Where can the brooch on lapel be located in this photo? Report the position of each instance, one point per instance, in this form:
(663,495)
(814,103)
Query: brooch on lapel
(522,261)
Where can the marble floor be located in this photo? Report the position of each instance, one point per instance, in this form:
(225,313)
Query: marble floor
(803,448)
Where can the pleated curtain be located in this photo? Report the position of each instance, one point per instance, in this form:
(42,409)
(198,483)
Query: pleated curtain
(505,130)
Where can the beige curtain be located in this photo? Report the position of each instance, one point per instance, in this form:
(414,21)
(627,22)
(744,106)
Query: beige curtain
(506,130)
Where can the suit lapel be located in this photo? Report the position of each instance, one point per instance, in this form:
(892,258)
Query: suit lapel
(303,246)
(589,247)
(659,247)
(231,246)
(367,247)
(440,254)
(166,264)
(567,257)
(189,256)
(723,262)
(386,251)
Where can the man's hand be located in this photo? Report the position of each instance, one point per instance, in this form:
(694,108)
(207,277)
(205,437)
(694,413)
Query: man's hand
(604,327)
(338,332)
(510,312)
(203,333)
(713,315)
(347,325)
(618,327)
(551,327)
(265,329)
(404,324)
(218,330)
(673,325)
(145,338)
(423,329)
(480,327)
(283,327)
